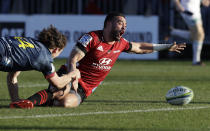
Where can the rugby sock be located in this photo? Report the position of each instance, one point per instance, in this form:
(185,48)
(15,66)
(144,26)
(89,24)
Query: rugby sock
(197,47)
(41,97)
(181,33)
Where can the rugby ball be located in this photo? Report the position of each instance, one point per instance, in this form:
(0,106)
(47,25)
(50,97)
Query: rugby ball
(179,95)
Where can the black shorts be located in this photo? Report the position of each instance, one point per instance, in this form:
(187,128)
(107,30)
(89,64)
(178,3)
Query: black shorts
(80,91)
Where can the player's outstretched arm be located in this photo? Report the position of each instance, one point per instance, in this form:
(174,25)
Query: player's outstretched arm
(143,47)
(75,56)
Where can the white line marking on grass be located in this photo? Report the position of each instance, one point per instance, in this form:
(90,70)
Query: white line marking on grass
(104,112)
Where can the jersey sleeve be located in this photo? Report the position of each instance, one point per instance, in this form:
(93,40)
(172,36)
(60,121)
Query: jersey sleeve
(84,43)
(49,71)
(128,45)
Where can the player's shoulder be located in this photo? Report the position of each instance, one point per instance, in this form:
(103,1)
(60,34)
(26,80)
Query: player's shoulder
(96,34)
(124,40)
(17,39)
(91,36)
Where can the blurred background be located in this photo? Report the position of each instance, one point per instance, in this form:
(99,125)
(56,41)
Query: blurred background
(149,20)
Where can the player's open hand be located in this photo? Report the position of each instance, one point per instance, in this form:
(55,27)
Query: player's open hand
(78,74)
(177,47)
(75,74)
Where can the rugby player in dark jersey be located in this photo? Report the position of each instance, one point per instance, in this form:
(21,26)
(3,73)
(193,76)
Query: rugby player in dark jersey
(94,55)
(24,53)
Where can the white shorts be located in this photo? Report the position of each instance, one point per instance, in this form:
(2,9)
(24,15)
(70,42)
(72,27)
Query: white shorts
(190,20)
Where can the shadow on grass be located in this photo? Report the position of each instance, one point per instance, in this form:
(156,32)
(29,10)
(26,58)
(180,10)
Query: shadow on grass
(4,99)
(117,102)
(61,128)
(3,105)
(76,128)
(203,102)
(122,101)
(134,101)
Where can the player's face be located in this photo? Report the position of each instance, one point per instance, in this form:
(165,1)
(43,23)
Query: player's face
(118,28)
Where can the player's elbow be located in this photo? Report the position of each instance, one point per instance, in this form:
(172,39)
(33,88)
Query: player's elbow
(58,83)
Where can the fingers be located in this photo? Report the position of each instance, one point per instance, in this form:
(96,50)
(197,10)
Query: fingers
(178,47)
(75,85)
(178,51)
(76,74)
(182,45)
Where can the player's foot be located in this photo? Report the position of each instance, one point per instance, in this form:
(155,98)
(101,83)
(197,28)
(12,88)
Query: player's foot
(199,64)
(22,104)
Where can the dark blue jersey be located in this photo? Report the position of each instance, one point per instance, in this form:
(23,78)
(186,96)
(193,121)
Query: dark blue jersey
(22,54)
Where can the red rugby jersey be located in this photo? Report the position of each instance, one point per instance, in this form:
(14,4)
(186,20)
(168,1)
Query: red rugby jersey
(99,58)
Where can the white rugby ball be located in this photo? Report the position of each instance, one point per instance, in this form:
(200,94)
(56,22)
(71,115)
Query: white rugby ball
(179,95)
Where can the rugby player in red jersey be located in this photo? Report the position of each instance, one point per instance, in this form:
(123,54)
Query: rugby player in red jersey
(94,55)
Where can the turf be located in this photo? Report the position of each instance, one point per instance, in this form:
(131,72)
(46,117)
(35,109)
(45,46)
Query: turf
(131,98)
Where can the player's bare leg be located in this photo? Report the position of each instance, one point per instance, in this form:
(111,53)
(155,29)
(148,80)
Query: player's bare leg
(12,85)
(198,35)
(66,99)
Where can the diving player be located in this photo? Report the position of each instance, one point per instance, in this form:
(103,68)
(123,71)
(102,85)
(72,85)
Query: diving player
(22,54)
(94,55)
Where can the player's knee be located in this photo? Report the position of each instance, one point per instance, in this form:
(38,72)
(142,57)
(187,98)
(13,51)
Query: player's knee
(198,36)
(198,33)
(201,35)
(71,101)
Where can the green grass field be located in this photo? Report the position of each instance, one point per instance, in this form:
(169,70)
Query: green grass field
(132,97)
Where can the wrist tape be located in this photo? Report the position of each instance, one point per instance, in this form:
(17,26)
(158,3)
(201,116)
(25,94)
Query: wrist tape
(160,47)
